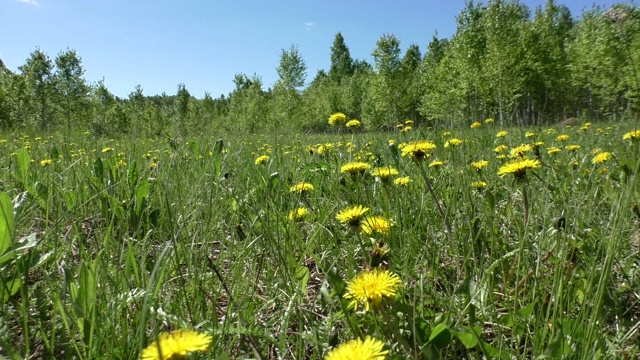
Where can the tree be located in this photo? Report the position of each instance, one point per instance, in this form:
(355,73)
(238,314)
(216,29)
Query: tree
(38,80)
(292,69)
(71,88)
(381,103)
(341,62)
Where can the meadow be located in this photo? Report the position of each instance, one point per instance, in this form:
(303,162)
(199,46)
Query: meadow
(483,242)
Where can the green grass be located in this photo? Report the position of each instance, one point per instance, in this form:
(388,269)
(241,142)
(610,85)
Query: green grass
(119,251)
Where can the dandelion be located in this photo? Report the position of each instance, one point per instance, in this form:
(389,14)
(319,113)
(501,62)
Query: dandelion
(337,119)
(107,150)
(520,151)
(301,187)
(298,214)
(572,147)
(262,159)
(446,133)
(375,225)
(352,215)
(176,345)
(356,167)
(436,164)
(633,135)
(488,121)
(475,125)
(120,164)
(501,148)
(46,162)
(370,287)
(453,143)
(369,349)
(502,133)
(601,157)
(479,165)
(402,181)
(405,129)
(354,124)
(479,185)
(553,150)
(408,122)
(384,173)
(519,167)
(562,137)
(418,150)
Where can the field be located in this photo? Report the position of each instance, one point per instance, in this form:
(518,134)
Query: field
(257,244)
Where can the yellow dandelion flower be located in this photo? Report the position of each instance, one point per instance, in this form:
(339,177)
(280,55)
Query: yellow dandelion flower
(337,119)
(176,345)
(475,125)
(375,225)
(455,142)
(46,162)
(356,167)
(408,122)
(402,181)
(520,151)
(352,215)
(436,164)
(519,167)
(502,133)
(479,165)
(262,159)
(384,173)
(405,129)
(354,124)
(601,157)
(298,214)
(529,134)
(446,133)
(107,150)
(418,149)
(633,135)
(301,187)
(367,349)
(572,147)
(501,148)
(479,185)
(562,137)
(370,287)
(553,150)
(488,121)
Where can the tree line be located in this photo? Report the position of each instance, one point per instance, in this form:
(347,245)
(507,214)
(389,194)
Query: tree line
(502,62)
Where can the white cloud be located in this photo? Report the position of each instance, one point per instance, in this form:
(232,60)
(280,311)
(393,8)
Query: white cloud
(31,2)
(308,25)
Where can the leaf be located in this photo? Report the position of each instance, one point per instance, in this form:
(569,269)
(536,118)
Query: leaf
(440,336)
(7,222)
(24,160)
(218,146)
(98,168)
(468,340)
(335,280)
(302,275)
(133,175)
(142,192)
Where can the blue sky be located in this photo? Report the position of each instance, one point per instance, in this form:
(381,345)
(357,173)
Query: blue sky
(203,43)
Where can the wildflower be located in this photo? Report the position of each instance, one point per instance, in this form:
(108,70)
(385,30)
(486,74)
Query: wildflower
(529,134)
(46,162)
(384,173)
(301,187)
(562,137)
(120,164)
(352,215)
(446,133)
(402,181)
(370,287)
(262,159)
(408,122)
(337,119)
(553,150)
(488,121)
(519,167)
(601,157)
(400,125)
(550,131)
(519,151)
(633,135)
(355,167)
(478,185)
(176,345)
(354,124)
(107,149)
(479,165)
(501,148)
(452,142)
(436,164)
(502,133)
(475,125)
(572,147)
(369,349)
(298,214)
(405,129)
(418,149)
(375,224)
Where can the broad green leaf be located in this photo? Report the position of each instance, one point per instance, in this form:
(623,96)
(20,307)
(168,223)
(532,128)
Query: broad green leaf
(468,340)
(24,160)
(7,222)
(133,175)
(440,336)
(218,146)
(142,192)
(98,168)
(302,275)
